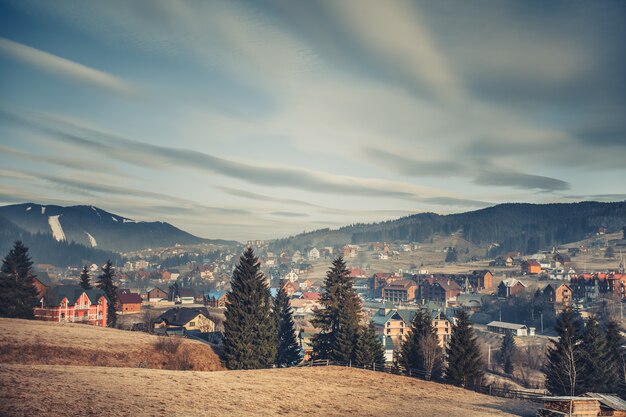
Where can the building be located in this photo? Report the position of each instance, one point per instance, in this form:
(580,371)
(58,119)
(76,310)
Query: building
(128,302)
(531,267)
(71,303)
(510,287)
(396,323)
(516,329)
(350,251)
(42,284)
(439,291)
(216,299)
(483,279)
(402,291)
(156,294)
(314,253)
(586,405)
(185,320)
(558,294)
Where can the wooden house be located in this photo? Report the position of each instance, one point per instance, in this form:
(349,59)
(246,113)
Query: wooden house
(71,303)
(128,302)
(510,287)
(189,319)
(156,294)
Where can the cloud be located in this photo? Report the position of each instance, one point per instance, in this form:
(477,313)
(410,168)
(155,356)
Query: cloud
(65,68)
(289,214)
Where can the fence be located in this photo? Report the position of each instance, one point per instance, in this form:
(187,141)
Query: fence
(417,373)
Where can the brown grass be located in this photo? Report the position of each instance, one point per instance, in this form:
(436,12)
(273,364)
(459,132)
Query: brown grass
(328,391)
(35,342)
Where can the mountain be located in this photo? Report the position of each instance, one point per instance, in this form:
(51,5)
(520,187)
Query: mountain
(95,228)
(513,226)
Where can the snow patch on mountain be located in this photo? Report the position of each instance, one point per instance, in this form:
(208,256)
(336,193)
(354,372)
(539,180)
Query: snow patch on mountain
(55,226)
(43,209)
(114,219)
(92,240)
(28,208)
(130,221)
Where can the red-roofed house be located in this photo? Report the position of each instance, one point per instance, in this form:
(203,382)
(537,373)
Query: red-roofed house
(128,302)
(531,267)
(313,296)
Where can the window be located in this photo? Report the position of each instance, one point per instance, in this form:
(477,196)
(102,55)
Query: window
(192,324)
(401,331)
(388,331)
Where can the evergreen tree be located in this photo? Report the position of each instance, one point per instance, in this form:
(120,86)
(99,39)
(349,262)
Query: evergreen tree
(106,284)
(599,373)
(507,352)
(616,355)
(563,369)
(339,318)
(288,350)
(411,355)
(369,348)
(85,280)
(249,326)
(18,295)
(465,363)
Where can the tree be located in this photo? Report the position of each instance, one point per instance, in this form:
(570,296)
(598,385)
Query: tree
(287,349)
(85,281)
(616,355)
(465,363)
(106,284)
(507,352)
(249,327)
(369,348)
(452,255)
(18,295)
(563,367)
(411,355)
(609,252)
(339,318)
(599,373)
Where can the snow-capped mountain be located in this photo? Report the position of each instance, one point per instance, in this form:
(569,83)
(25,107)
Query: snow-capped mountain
(94,227)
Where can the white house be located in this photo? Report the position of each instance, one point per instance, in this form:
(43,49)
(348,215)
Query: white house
(516,329)
(292,276)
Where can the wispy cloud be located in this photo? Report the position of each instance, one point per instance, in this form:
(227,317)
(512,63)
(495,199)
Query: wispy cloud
(66,68)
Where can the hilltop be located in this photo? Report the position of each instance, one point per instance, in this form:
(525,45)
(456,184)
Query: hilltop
(513,226)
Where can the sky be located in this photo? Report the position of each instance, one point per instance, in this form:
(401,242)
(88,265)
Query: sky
(262,119)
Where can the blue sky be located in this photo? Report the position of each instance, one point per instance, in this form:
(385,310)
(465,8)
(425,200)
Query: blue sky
(241,120)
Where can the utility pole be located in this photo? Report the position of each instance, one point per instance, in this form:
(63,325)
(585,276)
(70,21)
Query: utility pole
(489,358)
(542,322)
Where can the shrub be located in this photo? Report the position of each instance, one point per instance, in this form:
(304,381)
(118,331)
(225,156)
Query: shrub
(167,344)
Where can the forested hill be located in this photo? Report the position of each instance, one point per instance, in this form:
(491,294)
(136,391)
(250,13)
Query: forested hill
(514,226)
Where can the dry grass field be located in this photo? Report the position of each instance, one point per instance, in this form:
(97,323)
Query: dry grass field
(36,342)
(328,391)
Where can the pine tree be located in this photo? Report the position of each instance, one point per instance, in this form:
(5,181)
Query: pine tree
(18,295)
(563,369)
(106,284)
(616,355)
(339,318)
(85,281)
(507,352)
(465,363)
(599,373)
(369,348)
(249,326)
(411,355)
(288,350)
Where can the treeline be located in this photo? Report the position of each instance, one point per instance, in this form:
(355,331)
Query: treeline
(45,249)
(523,227)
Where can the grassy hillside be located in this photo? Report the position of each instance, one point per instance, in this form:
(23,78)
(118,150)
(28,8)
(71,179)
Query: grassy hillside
(52,390)
(36,342)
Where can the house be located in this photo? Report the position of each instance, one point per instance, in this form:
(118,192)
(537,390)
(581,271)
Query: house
(292,276)
(586,405)
(469,302)
(42,283)
(185,320)
(531,267)
(402,291)
(439,290)
(291,288)
(311,296)
(483,279)
(314,253)
(156,294)
(350,251)
(380,255)
(215,299)
(396,323)
(128,302)
(516,329)
(510,287)
(357,273)
(71,303)
(561,294)
(560,259)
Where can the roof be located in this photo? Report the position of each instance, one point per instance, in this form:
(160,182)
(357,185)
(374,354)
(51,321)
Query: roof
(44,278)
(186,292)
(448,285)
(216,294)
(179,316)
(403,284)
(156,288)
(309,295)
(72,293)
(611,401)
(505,325)
(510,282)
(125,296)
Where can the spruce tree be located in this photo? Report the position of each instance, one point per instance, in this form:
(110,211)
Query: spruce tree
(411,355)
(106,284)
(507,352)
(616,355)
(599,373)
(369,348)
(249,326)
(18,295)
(563,370)
(85,280)
(287,349)
(465,363)
(339,318)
